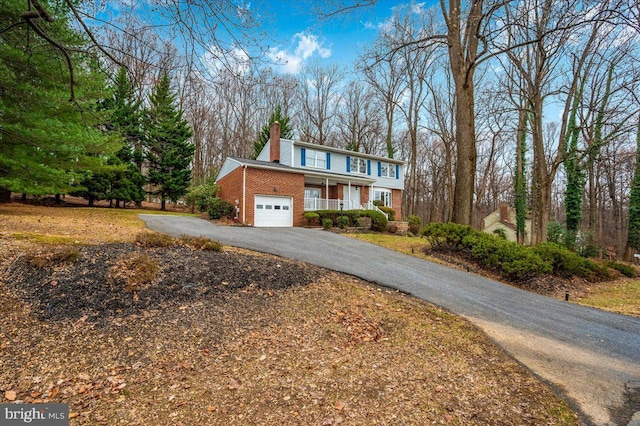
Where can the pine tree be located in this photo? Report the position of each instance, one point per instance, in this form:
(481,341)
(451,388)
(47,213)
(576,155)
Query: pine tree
(46,141)
(169,151)
(286,132)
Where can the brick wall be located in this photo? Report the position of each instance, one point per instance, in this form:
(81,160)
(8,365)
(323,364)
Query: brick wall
(264,182)
(396,202)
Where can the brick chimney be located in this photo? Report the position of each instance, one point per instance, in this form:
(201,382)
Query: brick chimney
(274,137)
(504,212)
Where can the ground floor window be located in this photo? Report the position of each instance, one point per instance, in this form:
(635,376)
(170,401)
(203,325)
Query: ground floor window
(312,193)
(383,195)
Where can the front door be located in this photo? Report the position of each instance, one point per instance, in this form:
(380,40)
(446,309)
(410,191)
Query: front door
(351,198)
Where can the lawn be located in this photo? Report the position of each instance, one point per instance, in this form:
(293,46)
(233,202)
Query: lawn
(235,337)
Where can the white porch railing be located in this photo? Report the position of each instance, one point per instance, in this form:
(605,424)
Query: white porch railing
(311,204)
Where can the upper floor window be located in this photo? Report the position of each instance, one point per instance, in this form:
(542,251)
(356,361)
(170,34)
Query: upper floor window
(387,170)
(358,165)
(315,158)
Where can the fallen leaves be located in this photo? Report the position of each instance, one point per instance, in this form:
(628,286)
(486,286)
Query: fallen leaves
(279,353)
(10,395)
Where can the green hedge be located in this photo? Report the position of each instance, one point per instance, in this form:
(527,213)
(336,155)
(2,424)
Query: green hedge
(566,263)
(512,260)
(378,220)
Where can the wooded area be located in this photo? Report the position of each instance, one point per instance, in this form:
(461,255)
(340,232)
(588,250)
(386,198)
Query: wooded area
(530,102)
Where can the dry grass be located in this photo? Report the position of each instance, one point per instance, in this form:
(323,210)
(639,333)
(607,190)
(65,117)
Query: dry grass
(70,225)
(622,296)
(338,351)
(407,245)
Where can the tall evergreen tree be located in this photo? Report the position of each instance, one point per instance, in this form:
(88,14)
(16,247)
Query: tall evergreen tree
(46,141)
(123,182)
(169,151)
(286,132)
(633,236)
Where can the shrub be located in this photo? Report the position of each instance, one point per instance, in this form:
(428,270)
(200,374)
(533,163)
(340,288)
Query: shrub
(623,268)
(446,236)
(555,233)
(219,209)
(201,243)
(353,215)
(202,196)
(415,223)
(312,218)
(154,239)
(500,232)
(566,263)
(66,254)
(343,221)
(378,203)
(509,259)
(389,211)
(327,223)
(378,220)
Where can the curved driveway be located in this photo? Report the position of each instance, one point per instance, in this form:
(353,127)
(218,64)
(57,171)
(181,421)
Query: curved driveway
(590,356)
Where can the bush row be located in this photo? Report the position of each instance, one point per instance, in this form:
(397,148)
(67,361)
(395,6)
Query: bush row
(343,219)
(511,260)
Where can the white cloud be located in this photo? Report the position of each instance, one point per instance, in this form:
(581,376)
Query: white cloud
(305,45)
(235,60)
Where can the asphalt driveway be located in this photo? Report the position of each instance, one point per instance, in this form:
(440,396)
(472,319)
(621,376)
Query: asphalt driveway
(590,356)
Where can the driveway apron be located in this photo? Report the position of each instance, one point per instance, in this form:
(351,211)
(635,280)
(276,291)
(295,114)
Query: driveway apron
(591,357)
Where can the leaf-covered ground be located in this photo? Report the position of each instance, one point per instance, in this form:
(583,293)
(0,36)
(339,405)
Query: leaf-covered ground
(235,337)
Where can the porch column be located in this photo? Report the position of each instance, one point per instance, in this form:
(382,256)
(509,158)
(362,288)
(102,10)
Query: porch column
(326,193)
(349,184)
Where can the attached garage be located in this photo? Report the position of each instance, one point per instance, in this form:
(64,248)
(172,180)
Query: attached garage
(272,211)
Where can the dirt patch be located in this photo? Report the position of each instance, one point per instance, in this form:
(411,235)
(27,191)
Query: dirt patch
(236,337)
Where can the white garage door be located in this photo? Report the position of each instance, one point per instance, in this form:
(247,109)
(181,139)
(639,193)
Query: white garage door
(273,211)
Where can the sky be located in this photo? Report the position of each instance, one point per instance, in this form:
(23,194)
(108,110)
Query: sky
(301,37)
(295,35)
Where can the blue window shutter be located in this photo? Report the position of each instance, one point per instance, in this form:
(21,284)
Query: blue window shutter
(379,169)
(328,161)
(369,167)
(303,157)
(348,164)
(397,172)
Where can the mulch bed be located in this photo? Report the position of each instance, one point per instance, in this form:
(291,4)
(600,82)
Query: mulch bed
(83,288)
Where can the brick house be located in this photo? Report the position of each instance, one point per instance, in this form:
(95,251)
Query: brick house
(290,177)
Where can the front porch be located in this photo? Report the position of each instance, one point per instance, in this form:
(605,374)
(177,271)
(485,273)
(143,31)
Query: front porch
(342,193)
(311,204)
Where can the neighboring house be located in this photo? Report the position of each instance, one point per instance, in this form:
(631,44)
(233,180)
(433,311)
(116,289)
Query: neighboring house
(290,177)
(505,218)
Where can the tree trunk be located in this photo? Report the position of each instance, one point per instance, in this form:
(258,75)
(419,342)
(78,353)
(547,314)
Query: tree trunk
(163,205)
(5,195)
(466,154)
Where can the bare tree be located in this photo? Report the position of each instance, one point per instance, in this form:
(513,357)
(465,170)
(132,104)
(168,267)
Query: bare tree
(359,119)
(318,92)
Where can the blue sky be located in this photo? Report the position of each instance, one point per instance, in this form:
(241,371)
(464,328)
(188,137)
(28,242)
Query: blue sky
(295,34)
(301,37)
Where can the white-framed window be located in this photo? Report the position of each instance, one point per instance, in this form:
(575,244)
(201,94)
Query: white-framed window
(315,158)
(384,195)
(358,165)
(312,193)
(388,170)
